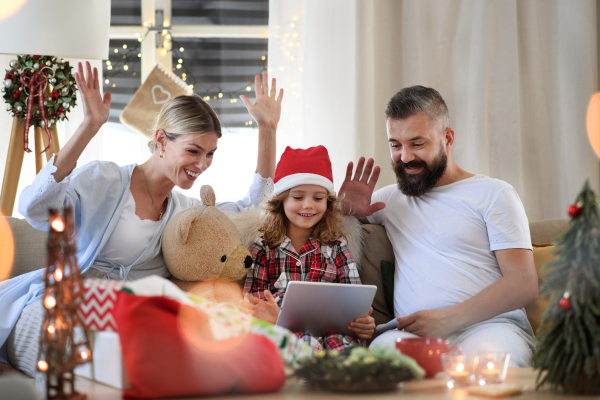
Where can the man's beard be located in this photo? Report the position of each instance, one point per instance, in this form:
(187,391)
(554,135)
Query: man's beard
(418,184)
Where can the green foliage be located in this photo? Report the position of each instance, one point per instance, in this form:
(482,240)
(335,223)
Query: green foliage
(359,369)
(568,355)
(59,70)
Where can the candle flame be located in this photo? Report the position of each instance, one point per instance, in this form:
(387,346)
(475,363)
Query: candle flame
(51,329)
(58,275)
(460,367)
(42,365)
(490,365)
(50,302)
(84,355)
(58,225)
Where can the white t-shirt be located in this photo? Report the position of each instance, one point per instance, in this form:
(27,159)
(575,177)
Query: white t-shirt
(444,241)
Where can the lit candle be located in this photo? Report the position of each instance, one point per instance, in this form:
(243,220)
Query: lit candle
(459,375)
(490,374)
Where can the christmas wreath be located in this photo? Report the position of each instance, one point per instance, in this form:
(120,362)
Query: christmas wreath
(39,90)
(357,369)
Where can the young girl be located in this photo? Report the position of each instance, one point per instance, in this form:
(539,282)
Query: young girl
(302,241)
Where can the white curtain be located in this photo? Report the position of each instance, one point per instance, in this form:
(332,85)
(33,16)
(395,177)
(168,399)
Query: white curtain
(517,76)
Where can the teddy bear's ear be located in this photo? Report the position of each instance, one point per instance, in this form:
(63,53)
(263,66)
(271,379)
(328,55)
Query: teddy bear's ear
(207,195)
(183,226)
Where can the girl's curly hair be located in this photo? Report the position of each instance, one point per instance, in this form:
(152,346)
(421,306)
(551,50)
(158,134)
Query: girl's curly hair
(274,221)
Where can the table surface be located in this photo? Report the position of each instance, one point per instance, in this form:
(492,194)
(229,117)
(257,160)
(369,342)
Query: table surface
(428,389)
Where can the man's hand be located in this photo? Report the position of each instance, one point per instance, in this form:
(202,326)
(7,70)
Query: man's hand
(266,310)
(363,326)
(357,191)
(432,323)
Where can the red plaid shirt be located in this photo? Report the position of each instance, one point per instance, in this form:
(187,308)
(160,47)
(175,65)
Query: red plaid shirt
(273,268)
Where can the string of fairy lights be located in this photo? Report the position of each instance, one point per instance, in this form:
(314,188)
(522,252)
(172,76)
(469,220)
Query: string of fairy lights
(207,90)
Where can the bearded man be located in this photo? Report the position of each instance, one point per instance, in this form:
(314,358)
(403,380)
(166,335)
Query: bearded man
(464,262)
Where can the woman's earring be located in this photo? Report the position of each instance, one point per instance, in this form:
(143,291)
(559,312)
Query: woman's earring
(162,154)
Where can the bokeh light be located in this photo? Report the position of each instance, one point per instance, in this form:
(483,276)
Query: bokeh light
(7,249)
(9,7)
(196,329)
(593,123)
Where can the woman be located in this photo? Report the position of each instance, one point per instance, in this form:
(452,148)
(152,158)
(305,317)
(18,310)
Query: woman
(121,212)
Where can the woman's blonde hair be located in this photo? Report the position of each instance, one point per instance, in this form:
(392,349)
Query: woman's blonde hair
(185,114)
(274,221)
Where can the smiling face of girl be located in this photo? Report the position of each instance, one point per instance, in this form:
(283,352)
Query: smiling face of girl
(305,206)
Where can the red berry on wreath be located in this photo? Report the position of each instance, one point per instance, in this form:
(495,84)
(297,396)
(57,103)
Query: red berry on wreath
(15,96)
(42,65)
(18,91)
(36,57)
(565,303)
(573,210)
(60,109)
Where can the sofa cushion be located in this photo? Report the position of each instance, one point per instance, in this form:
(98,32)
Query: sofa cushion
(30,246)
(376,248)
(542,255)
(548,230)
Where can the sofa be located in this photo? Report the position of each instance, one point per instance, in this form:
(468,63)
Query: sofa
(376,263)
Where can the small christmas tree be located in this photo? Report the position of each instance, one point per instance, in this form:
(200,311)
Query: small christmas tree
(568,355)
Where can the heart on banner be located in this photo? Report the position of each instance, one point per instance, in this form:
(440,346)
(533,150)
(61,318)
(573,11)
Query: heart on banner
(160,89)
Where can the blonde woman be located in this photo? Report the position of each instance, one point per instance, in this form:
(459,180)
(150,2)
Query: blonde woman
(122,211)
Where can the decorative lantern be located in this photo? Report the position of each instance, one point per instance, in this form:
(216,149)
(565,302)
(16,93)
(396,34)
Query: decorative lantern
(64,339)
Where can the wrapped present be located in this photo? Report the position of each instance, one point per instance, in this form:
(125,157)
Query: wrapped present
(99,299)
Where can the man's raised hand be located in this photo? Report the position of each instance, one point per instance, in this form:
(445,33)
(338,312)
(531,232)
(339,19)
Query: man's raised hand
(357,191)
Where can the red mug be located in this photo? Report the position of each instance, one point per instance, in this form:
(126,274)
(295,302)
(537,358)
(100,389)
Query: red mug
(427,352)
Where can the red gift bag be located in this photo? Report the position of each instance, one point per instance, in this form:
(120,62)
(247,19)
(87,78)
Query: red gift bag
(168,351)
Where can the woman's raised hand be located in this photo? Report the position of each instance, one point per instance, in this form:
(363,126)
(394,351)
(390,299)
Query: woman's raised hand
(95,109)
(267,107)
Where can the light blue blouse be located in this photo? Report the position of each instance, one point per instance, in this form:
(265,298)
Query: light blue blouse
(96,192)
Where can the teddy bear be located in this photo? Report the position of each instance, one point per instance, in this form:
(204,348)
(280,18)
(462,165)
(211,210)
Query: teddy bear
(202,249)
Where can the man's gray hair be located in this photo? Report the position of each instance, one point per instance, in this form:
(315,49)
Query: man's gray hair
(416,100)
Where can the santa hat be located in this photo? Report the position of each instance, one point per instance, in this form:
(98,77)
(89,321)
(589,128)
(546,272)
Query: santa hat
(303,167)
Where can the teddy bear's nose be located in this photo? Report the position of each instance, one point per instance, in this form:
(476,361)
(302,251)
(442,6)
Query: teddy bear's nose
(248,262)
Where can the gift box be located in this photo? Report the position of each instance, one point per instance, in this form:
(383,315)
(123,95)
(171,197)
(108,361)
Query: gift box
(99,299)
(107,361)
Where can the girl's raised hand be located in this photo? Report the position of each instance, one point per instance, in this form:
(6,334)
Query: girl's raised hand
(96,109)
(266,110)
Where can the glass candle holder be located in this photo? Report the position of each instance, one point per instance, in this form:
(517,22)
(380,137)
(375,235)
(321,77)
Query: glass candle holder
(460,369)
(491,367)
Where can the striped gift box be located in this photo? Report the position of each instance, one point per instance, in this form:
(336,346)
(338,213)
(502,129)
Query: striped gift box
(99,300)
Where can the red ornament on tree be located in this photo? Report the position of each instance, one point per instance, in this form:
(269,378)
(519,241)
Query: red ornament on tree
(573,210)
(565,303)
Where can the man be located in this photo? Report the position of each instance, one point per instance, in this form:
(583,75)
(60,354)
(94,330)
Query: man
(464,261)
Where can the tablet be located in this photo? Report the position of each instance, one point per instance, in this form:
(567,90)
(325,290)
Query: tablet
(320,308)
